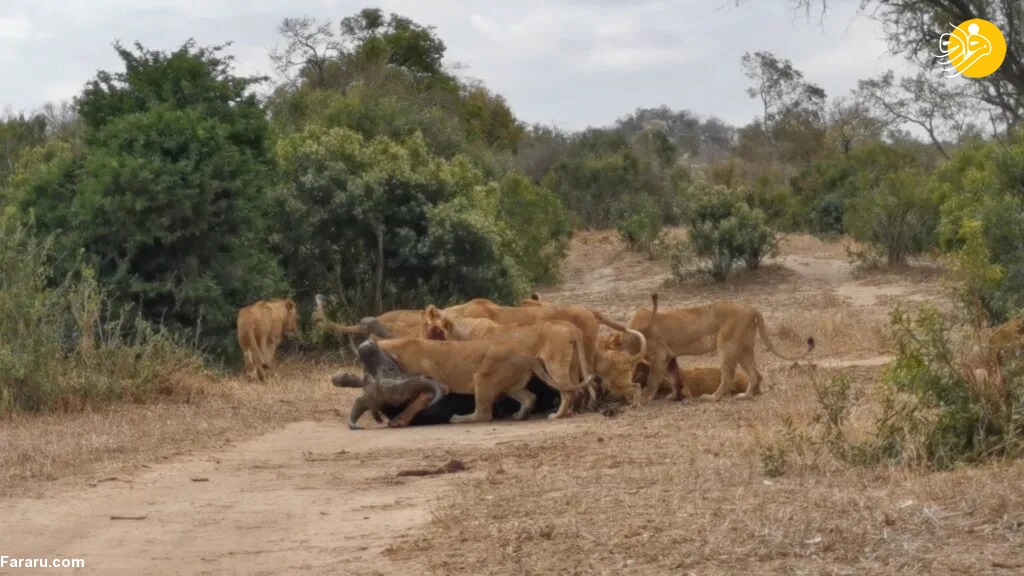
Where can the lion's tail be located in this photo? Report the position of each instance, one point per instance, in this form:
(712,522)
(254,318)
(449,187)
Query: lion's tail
(762,330)
(589,378)
(609,322)
(540,368)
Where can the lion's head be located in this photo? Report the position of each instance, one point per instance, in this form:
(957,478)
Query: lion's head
(436,326)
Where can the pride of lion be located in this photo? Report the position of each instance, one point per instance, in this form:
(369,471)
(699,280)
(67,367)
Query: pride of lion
(539,355)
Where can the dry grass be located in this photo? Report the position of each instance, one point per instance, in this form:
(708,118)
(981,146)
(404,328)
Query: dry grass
(47,452)
(679,489)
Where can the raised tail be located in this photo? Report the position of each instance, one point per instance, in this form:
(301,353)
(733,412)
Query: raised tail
(762,330)
(654,311)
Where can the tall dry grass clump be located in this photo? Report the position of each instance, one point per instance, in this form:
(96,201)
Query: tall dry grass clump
(64,345)
(937,406)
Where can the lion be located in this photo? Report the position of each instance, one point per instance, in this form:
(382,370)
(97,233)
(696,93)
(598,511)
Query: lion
(734,326)
(1005,341)
(557,342)
(261,326)
(696,381)
(485,369)
(587,320)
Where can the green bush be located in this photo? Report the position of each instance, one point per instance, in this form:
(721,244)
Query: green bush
(354,213)
(64,346)
(167,200)
(641,223)
(982,217)
(897,219)
(724,230)
(539,225)
(825,189)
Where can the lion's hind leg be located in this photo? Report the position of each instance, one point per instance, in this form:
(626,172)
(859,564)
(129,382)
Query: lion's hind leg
(754,377)
(726,381)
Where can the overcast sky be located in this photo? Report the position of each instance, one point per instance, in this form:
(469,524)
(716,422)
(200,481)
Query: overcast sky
(572,63)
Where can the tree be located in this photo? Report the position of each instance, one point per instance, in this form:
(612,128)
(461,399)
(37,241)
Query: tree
(780,87)
(913,28)
(17,134)
(851,124)
(942,112)
(167,201)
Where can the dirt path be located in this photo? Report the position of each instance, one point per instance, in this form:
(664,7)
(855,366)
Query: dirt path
(313,497)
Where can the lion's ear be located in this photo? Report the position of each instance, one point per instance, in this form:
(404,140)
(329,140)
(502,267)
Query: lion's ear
(289,304)
(431,312)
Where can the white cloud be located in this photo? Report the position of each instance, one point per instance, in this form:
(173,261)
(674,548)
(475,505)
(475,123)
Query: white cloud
(574,62)
(16,28)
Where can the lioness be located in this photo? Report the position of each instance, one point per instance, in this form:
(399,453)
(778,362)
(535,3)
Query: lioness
(1006,341)
(697,381)
(587,320)
(558,343)
(261,326)
(414,392)
(485,369)
(677,332)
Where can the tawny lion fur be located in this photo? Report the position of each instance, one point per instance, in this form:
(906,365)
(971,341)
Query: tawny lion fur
(485,369)
(402,323)
(734,328)
(587,320)
(557,342)
(261,327)
(700,381)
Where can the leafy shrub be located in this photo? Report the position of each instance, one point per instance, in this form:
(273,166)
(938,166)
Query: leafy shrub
(932,411)
(982,217)
(641,223)
(359,214)
(168,199)
(825,189)
(63,346)
(897,219)
(724,230)
(539,225)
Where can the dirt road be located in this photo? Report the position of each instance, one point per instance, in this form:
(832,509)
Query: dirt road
(312,498)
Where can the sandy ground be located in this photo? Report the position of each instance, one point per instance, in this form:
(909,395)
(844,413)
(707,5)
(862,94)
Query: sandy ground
(667,489)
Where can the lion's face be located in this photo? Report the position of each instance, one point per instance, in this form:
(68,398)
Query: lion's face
(435,325)
(612,341)
(617,370)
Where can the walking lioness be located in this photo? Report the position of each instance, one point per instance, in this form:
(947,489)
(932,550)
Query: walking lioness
(675,332)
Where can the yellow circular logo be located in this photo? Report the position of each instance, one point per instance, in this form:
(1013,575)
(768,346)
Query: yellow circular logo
(975,48)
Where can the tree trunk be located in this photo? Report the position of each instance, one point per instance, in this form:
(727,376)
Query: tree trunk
(380,268)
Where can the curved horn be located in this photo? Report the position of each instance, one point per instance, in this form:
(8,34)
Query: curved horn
(643,345)
(439,391)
